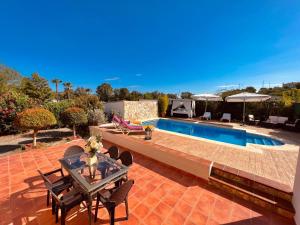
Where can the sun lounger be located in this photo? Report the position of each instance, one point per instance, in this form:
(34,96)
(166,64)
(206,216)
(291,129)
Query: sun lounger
(294,126)
(117,121)
(128,128)
(275,121)
(226,117)
(252,120)
(206,115)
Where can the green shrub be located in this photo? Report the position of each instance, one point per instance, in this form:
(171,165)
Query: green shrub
(57,108)
(88,102)
(291,96)
(11,103)
(35,119)
(96,117)
(73,117)
(163,102)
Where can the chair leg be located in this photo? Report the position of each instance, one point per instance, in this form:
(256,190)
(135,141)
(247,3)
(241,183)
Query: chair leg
(96,209)
(53,206)
(48,197)
(112,216)
(56,214)
(126,207)
(63,217)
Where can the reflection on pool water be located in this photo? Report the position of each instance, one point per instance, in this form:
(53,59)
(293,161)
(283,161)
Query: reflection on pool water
(227,135)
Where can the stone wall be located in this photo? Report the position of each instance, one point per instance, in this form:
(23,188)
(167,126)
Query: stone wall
(133,110)
(140,110)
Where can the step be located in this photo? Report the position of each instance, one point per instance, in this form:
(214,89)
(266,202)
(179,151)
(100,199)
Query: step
(280,206)
(252,182)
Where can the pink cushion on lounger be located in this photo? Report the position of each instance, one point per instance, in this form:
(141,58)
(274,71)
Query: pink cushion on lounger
(130,127)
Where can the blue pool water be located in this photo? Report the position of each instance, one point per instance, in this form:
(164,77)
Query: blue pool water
(232,136)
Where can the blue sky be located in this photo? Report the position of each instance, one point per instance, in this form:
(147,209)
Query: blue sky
(170,46)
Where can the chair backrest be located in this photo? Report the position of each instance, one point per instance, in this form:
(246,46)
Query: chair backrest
(126,158)
(45,179)
(121,193)
(73,150)
(207,114)
(226,116)
(282,119)
(251,117)
(124,123)
(49,186)
(113,152)
(273,119)
(116,119)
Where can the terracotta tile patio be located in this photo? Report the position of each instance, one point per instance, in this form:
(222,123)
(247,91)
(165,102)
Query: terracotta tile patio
(161,195)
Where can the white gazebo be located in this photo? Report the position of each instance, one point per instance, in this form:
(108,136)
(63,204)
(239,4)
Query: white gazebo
(206,98)
(247,97)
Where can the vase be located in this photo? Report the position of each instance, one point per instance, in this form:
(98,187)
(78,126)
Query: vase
(92,163)
(92,159)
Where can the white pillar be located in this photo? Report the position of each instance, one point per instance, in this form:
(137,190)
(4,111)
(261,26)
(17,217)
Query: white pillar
(296,191)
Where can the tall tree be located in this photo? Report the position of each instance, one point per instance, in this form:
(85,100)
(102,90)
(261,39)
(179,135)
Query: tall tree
(68,89)
(104,92)
(56,82)
(172,96)
(8,78)
(82,91)
(186,95)
(36,87)
(124,94)
(116,94)
(250,89)
(135,95)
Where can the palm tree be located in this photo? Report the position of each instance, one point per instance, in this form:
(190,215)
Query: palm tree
(68,88)
(56,82)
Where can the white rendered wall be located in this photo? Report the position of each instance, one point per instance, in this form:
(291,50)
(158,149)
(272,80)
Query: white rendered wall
(296,191)
(115,107)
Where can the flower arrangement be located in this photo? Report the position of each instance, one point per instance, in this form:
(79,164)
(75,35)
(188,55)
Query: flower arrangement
(93,144)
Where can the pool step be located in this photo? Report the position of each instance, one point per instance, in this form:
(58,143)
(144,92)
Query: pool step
(260,191)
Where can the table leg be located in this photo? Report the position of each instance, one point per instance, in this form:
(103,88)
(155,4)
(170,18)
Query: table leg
(89,206)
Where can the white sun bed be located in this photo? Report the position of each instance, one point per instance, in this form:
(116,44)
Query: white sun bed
(226,117)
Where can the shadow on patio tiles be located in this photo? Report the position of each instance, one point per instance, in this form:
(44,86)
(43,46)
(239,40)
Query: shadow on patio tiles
(161,195)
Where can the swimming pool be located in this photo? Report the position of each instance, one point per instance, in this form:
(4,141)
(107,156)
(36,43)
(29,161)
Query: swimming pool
(227,135)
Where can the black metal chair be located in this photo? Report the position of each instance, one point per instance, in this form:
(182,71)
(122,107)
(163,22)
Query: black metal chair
(112,198)
(126,158)
(113,152)
(74,150)
(66,202)
(57,186)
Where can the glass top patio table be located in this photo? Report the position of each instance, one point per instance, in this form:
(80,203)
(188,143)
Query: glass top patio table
(107,170)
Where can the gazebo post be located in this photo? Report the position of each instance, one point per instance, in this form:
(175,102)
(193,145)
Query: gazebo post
(205,106)
(244,111)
